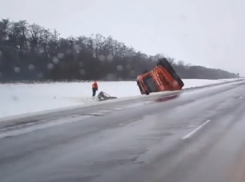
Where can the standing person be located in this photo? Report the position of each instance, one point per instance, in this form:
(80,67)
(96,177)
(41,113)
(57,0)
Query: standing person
(94,88)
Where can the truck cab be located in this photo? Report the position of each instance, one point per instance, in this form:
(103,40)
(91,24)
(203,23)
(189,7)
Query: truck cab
(161,78)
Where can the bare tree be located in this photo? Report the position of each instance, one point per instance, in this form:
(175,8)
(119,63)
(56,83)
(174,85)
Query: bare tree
(31,52)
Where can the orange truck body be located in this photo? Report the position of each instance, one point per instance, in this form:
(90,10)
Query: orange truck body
(161,78)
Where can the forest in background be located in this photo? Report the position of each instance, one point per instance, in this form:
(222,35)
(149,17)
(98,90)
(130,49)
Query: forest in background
(29,52)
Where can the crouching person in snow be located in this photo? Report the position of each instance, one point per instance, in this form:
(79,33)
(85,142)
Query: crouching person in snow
(94,88)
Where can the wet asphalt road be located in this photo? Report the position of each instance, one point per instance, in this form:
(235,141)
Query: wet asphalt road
(198,135)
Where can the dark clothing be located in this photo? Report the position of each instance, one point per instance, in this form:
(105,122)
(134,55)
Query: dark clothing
(94,88)
(94,91)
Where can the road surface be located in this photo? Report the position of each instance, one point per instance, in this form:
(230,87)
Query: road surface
(195,136)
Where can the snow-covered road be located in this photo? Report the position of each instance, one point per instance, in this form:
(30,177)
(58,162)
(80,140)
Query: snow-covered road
(18,99)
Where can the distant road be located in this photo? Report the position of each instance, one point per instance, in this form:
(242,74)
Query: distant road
(197,136)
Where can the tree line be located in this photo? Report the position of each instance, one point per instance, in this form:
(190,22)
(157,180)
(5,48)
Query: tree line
(29,52)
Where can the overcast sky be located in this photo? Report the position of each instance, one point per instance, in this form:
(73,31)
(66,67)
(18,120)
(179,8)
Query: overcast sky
(201,32)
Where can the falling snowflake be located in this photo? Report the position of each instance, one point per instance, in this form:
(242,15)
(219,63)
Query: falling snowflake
(60,55)
(76,47)
(101,57)
(82,72)
(31,67)
(110,77)
(132,73)
(55,60)
(50,66)
(110,57)
(119,68)
(40,75)
(16,69)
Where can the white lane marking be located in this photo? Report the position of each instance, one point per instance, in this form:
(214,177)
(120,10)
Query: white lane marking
(96,113)
(105,111)
(137,104)
(101,112)
(195,130)
(42,126)
(118,108)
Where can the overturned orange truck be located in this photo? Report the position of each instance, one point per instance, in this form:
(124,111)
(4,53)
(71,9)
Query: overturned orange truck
(162,78)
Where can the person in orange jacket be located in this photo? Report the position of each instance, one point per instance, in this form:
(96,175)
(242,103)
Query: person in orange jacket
(94,88)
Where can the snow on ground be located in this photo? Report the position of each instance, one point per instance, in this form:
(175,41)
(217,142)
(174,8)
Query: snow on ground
(18,99)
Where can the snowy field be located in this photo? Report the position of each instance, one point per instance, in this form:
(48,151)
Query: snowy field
(18,99)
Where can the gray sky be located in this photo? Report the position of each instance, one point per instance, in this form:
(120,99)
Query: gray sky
(201,32)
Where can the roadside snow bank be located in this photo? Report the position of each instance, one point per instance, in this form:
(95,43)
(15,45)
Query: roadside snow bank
(18,99)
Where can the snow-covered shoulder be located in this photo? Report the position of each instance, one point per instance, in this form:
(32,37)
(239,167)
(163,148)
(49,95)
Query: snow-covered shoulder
(18,99)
